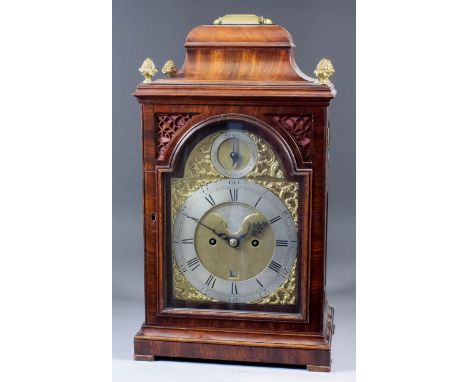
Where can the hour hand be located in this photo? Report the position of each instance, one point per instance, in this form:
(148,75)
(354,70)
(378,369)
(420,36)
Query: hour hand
(252,225)
(258,227)
(235,157)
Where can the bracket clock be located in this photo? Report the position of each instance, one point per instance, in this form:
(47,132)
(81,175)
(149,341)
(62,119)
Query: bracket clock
(235,147)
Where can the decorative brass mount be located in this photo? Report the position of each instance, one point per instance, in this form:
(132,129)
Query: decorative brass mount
(239,19)
(324,71)
(148,70)
(169,68)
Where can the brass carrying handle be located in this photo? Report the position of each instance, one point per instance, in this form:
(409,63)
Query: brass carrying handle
(242,19)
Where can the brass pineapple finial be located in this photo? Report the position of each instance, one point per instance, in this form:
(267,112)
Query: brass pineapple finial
(324,71)
(148,70)
(169,68)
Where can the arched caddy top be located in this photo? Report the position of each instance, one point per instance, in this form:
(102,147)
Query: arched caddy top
(223,58)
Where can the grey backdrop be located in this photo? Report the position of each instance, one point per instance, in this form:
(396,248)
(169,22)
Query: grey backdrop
(157,29)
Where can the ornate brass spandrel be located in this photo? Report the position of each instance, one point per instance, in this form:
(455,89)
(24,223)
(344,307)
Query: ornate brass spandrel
(324,71)
(148,70)
(268,164)
(269,173)
(199,163)
(181,189)
(288,192)
(285,294)
(182,289)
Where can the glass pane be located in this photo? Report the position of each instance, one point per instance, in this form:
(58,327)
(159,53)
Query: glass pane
(232,230)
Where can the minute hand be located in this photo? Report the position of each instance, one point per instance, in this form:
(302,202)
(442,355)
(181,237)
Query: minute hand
(222,235)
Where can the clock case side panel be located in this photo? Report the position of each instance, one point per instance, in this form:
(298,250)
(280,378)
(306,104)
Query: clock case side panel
(150,210)
(312,322)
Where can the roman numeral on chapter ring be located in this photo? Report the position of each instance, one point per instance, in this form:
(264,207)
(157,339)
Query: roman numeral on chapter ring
(275,219)
(274,266)
(193,263)
(194,219)
(187,241)
(211,281)
(210,200)
(234,193)
(282,243)
(234,288)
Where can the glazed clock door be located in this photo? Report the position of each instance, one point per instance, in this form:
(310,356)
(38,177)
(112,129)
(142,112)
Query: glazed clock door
(232,236)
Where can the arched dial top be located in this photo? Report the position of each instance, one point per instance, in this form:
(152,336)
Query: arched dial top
(234,241)
(233,152)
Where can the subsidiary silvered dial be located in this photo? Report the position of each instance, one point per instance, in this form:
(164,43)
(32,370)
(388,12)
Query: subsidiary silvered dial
(234,154)
(234,241)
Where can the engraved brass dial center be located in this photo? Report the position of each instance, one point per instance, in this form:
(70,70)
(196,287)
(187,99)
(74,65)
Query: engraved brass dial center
(235,257)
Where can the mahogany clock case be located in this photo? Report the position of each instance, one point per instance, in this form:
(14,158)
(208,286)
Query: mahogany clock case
(203,108)
(311,319)
(245,74)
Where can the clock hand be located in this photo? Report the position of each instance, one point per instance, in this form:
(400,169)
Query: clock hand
(222,235)
(253,229)
(235,151)
(258,227)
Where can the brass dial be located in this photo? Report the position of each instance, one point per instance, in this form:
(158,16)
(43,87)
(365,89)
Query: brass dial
(234,241)
(234,154)
(198,273)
